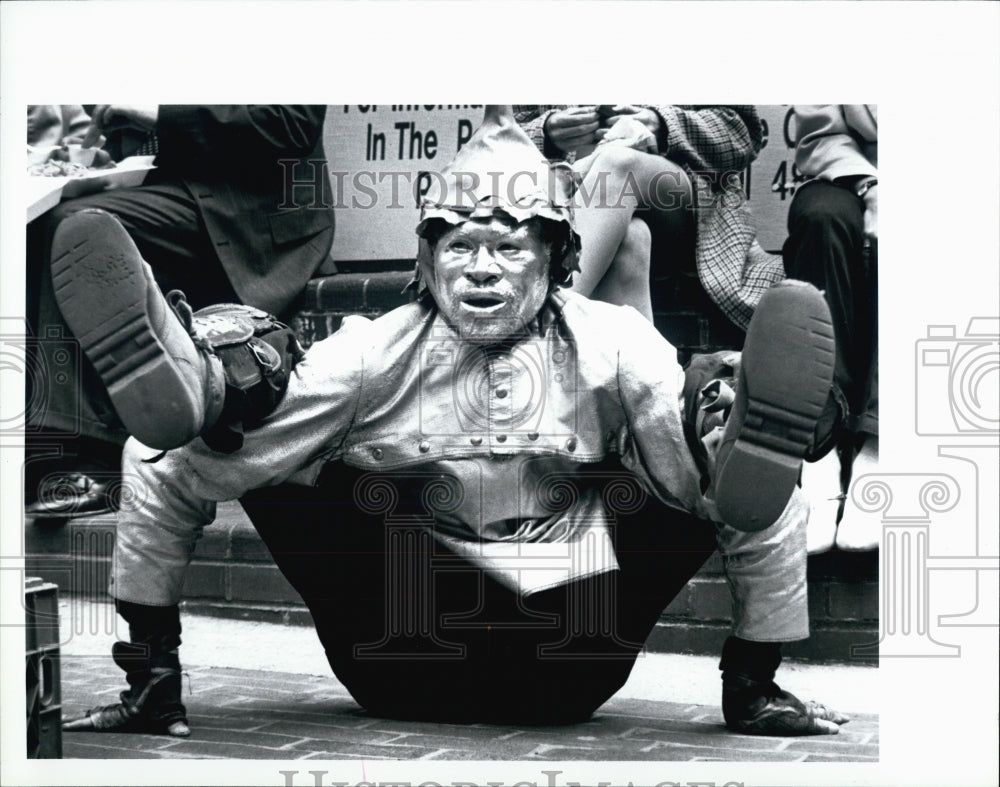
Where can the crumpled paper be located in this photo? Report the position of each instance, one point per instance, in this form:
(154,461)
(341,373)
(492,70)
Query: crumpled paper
(631,133)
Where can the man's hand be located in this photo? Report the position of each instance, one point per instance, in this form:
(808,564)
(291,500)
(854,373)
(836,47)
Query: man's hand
(871,214)
(778,712)
(573,129)
(110,117)
(101,157)
(647,117)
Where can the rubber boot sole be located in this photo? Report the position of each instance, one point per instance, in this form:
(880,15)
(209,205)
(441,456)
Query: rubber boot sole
(103,292)
(787,370)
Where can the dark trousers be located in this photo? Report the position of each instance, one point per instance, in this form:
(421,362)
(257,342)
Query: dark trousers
(415,631)
(825,247)
(66,394)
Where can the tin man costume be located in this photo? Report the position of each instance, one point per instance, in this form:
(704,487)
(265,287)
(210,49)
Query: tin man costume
(487,496)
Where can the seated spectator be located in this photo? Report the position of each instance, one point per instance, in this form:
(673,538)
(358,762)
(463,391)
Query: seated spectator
(833,243)
(220,218)
(688,192)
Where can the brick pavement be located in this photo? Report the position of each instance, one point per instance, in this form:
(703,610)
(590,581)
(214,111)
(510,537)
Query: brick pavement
(252,714)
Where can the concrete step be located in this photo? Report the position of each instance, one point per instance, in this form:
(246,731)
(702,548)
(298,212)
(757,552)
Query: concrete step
(233,576)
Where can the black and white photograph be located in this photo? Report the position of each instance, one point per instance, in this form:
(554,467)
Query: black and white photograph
(499,443)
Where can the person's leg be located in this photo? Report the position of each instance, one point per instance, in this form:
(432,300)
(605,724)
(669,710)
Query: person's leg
(147,573)
(857,531)
(141,344)
(616,183)
(765,567)
(826,247)
(72,423)
(444,640)
(626,282)
(784,380)
(163,222)
(152,703)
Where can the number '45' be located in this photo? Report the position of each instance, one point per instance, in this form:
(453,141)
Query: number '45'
(780,182)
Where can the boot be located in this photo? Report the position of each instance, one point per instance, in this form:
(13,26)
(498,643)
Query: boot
(783,385)
(164,387)
(151,704)
(753,704)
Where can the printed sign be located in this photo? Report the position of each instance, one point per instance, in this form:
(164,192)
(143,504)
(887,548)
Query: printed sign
(773,176)
(379,157)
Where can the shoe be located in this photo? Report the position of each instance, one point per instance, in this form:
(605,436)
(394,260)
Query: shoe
(783,386)
(75,495)
(164,387)
(152,704)
(763,708)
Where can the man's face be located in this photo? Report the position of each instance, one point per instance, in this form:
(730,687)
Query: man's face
(491,277)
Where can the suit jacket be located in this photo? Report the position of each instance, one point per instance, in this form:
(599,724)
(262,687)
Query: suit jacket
(715,144)
(258,175)
(836,140)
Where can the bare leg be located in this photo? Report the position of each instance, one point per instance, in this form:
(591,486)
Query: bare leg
(626,282)
(617,182)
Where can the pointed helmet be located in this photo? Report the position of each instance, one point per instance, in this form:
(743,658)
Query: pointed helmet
(500,171)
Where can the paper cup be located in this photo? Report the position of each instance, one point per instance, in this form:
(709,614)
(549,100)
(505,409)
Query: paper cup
(82,156)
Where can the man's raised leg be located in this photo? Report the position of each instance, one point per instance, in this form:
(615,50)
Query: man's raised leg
(165,388)
(784,381)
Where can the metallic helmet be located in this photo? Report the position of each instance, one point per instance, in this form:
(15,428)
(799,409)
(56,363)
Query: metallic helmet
(500,171)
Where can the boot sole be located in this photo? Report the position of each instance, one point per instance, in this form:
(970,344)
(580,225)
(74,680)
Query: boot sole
(102,291)
(787,369)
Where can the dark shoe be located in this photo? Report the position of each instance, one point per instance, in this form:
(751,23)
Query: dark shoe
(784,382)
(165,388)
(151,705)
(764,708)
(74,495)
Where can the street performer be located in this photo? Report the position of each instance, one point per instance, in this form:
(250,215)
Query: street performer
(487,496)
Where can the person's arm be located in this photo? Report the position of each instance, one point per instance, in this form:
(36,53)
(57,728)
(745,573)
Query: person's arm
(225,130)
(205,138)
(829,146)
(56,124)
(558,130)
(652,443)
(838,143)
(710,138)
(531,118)
(75,122)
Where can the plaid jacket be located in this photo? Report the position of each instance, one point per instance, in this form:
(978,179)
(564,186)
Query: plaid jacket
(715,144)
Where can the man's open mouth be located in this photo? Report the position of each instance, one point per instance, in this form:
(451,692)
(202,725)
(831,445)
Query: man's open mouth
(483,302)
